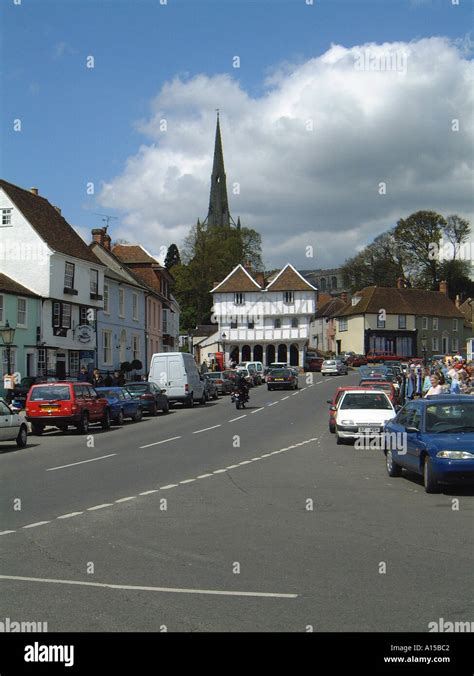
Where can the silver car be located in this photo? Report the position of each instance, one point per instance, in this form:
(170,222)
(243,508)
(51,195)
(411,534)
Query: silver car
(333,367)
(12,426)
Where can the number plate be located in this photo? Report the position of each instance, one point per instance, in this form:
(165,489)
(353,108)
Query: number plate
(368,430)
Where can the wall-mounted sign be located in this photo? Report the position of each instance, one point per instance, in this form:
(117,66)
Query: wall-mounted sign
(84,333)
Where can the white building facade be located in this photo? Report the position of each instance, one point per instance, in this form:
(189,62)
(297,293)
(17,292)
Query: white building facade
(264,319)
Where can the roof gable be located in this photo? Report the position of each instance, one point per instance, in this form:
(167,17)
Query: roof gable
(46,220)
(9,285)
(239,280)
(289,279)
(402,301)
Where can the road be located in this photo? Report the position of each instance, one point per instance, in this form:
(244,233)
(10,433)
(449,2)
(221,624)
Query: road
(212,519)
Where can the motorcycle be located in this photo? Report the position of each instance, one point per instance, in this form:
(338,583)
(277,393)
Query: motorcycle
(239,398)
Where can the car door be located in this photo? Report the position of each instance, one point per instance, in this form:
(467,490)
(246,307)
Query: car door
(397,437)
(129,408)
(6,419)
(93,404)
(415,445)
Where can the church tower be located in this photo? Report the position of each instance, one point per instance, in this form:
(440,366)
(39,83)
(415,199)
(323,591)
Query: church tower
(218,214)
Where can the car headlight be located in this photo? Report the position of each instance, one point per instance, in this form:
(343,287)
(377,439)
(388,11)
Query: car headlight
(455,455)
(347,422)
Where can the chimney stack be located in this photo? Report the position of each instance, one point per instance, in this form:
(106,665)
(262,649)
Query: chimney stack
(458,300)
(345,297)
(260,279)
(443,287)
(34,191)
(100,236)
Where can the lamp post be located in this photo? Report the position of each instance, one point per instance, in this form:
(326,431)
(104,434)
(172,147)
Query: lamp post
(8,334)
(423,349)
(223,336)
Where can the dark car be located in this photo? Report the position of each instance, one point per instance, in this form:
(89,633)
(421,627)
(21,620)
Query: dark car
(150,396)
(438,440)
(122,404)
(20,391)
(64,403)
(282,378)
(210,387)
(314,364)
(222,381)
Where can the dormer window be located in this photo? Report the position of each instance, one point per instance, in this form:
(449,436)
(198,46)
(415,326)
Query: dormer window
(355,300)
(239,299)
(6,217)
(289,297)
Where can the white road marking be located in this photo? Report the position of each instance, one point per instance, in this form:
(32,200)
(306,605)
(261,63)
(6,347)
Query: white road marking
(245,462)
(266,455)
(165,488)
(51,469)
(303,389)
(219,471)
(160,442)
(203,476)
(239,418)
(273,403)
(38,523)
(106,504)
(5,532)
(187,481)
(232,466)
(175,590)
(132,497)
(149,492)
(206,429)
(258,409)
(312,385)
(287,397)
(253,459)
(68,516)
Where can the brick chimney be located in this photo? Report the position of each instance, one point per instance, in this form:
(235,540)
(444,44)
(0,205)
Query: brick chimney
(443,287)
(34,191)
(260,279)
(100,236)
(344,297)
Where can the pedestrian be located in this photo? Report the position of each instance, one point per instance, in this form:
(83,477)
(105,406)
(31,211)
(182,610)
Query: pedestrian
(435,388)
(204,368)
(426,381)
(83,375)
(108,380)
(455,387)
(97,380)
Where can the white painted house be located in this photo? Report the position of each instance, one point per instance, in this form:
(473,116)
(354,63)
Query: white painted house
(40,250)
(262,318)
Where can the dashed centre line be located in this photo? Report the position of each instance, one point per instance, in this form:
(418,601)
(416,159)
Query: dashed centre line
(206,429)
(155,443)
(81,462)
(239,418)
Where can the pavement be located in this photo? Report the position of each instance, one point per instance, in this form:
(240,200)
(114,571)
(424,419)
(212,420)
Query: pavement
(213,519)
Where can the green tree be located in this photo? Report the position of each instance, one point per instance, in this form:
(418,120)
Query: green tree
(417,238)
(172,256)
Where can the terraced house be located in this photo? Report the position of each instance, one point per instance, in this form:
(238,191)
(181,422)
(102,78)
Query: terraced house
(43,252)
(406,322)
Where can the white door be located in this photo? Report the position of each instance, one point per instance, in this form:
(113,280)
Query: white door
(176,378)
(5,422)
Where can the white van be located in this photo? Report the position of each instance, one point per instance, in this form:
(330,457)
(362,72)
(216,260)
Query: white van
(178,375)
(256,366)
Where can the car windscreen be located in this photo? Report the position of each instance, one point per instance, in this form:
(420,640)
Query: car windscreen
(215,375)
(366,401)
(280,373)
(138,388)
(329,363)
(50,393)
(449,417)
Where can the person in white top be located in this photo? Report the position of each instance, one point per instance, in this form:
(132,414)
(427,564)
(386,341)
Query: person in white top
(435,388)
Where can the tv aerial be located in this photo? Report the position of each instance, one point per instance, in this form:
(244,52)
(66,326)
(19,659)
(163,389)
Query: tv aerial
(106,218)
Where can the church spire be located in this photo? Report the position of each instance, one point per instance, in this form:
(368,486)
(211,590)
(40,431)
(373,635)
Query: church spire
(218,203)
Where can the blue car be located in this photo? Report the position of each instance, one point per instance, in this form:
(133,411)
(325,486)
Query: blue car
(433,437)
(122,404)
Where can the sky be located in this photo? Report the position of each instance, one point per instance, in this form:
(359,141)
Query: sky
(337,118)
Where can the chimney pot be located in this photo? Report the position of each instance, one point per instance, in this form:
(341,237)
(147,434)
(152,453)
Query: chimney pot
(100,236)
(345,297)
(443,287)
(34,191)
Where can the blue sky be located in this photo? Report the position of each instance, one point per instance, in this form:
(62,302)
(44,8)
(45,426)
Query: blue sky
(80,124)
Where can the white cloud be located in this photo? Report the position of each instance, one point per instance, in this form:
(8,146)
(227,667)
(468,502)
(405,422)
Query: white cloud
(389,123)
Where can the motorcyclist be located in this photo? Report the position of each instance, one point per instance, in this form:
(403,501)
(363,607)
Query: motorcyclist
(241,386)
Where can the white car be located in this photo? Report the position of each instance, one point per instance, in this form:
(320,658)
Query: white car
(12,426)
(333,367)
(362,412)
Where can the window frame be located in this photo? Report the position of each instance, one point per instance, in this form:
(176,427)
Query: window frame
(6,214)
(24,324)
(66,276)
(400,322)
(107,333)
(121,303)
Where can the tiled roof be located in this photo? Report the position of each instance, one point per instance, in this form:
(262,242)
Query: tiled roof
(331,308)
(402,301)
(289,280)
(238,280)
(49,224)
(133,253)
(8,285)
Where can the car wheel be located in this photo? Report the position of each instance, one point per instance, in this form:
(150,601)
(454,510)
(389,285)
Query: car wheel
(138,415)
(22,437)
(393,469)
(119,418)
(429,480)
(339,440)
(153,409)
(332,429)
(216,395)
(166,408)
(106,420)
(83,425)
(203,399)
(37,429)
(190,401)
(269,388)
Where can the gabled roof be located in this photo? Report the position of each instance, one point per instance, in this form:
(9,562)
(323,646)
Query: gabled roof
(236,281)
(289,279)
(9,285)
(116,269)
(133,253)
(53,229)
(402,301)
(331,308)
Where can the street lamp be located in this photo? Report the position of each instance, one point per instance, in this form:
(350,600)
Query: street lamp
(8,334)
(423,349)
(223,336)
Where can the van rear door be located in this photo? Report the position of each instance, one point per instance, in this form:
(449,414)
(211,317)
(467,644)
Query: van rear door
(159,372)
(176,378)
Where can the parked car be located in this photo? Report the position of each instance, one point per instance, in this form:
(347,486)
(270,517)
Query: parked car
(439,434)
(177,374)
(256,366)
(210,387)
(282,379)
(63,403)
(384,385)
(333,367)
(121,403)
(314,364)
(151,397)
(12,426)
(222,381)
(334,402)
(20,391)
(357,360)
(362,412)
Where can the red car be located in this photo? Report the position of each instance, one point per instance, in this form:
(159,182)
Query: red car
(66,403)
(314,364)
(334,401)
(381,385)
(357,360)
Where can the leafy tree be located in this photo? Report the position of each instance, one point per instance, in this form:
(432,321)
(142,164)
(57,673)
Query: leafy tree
(172,256)
(417,237)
